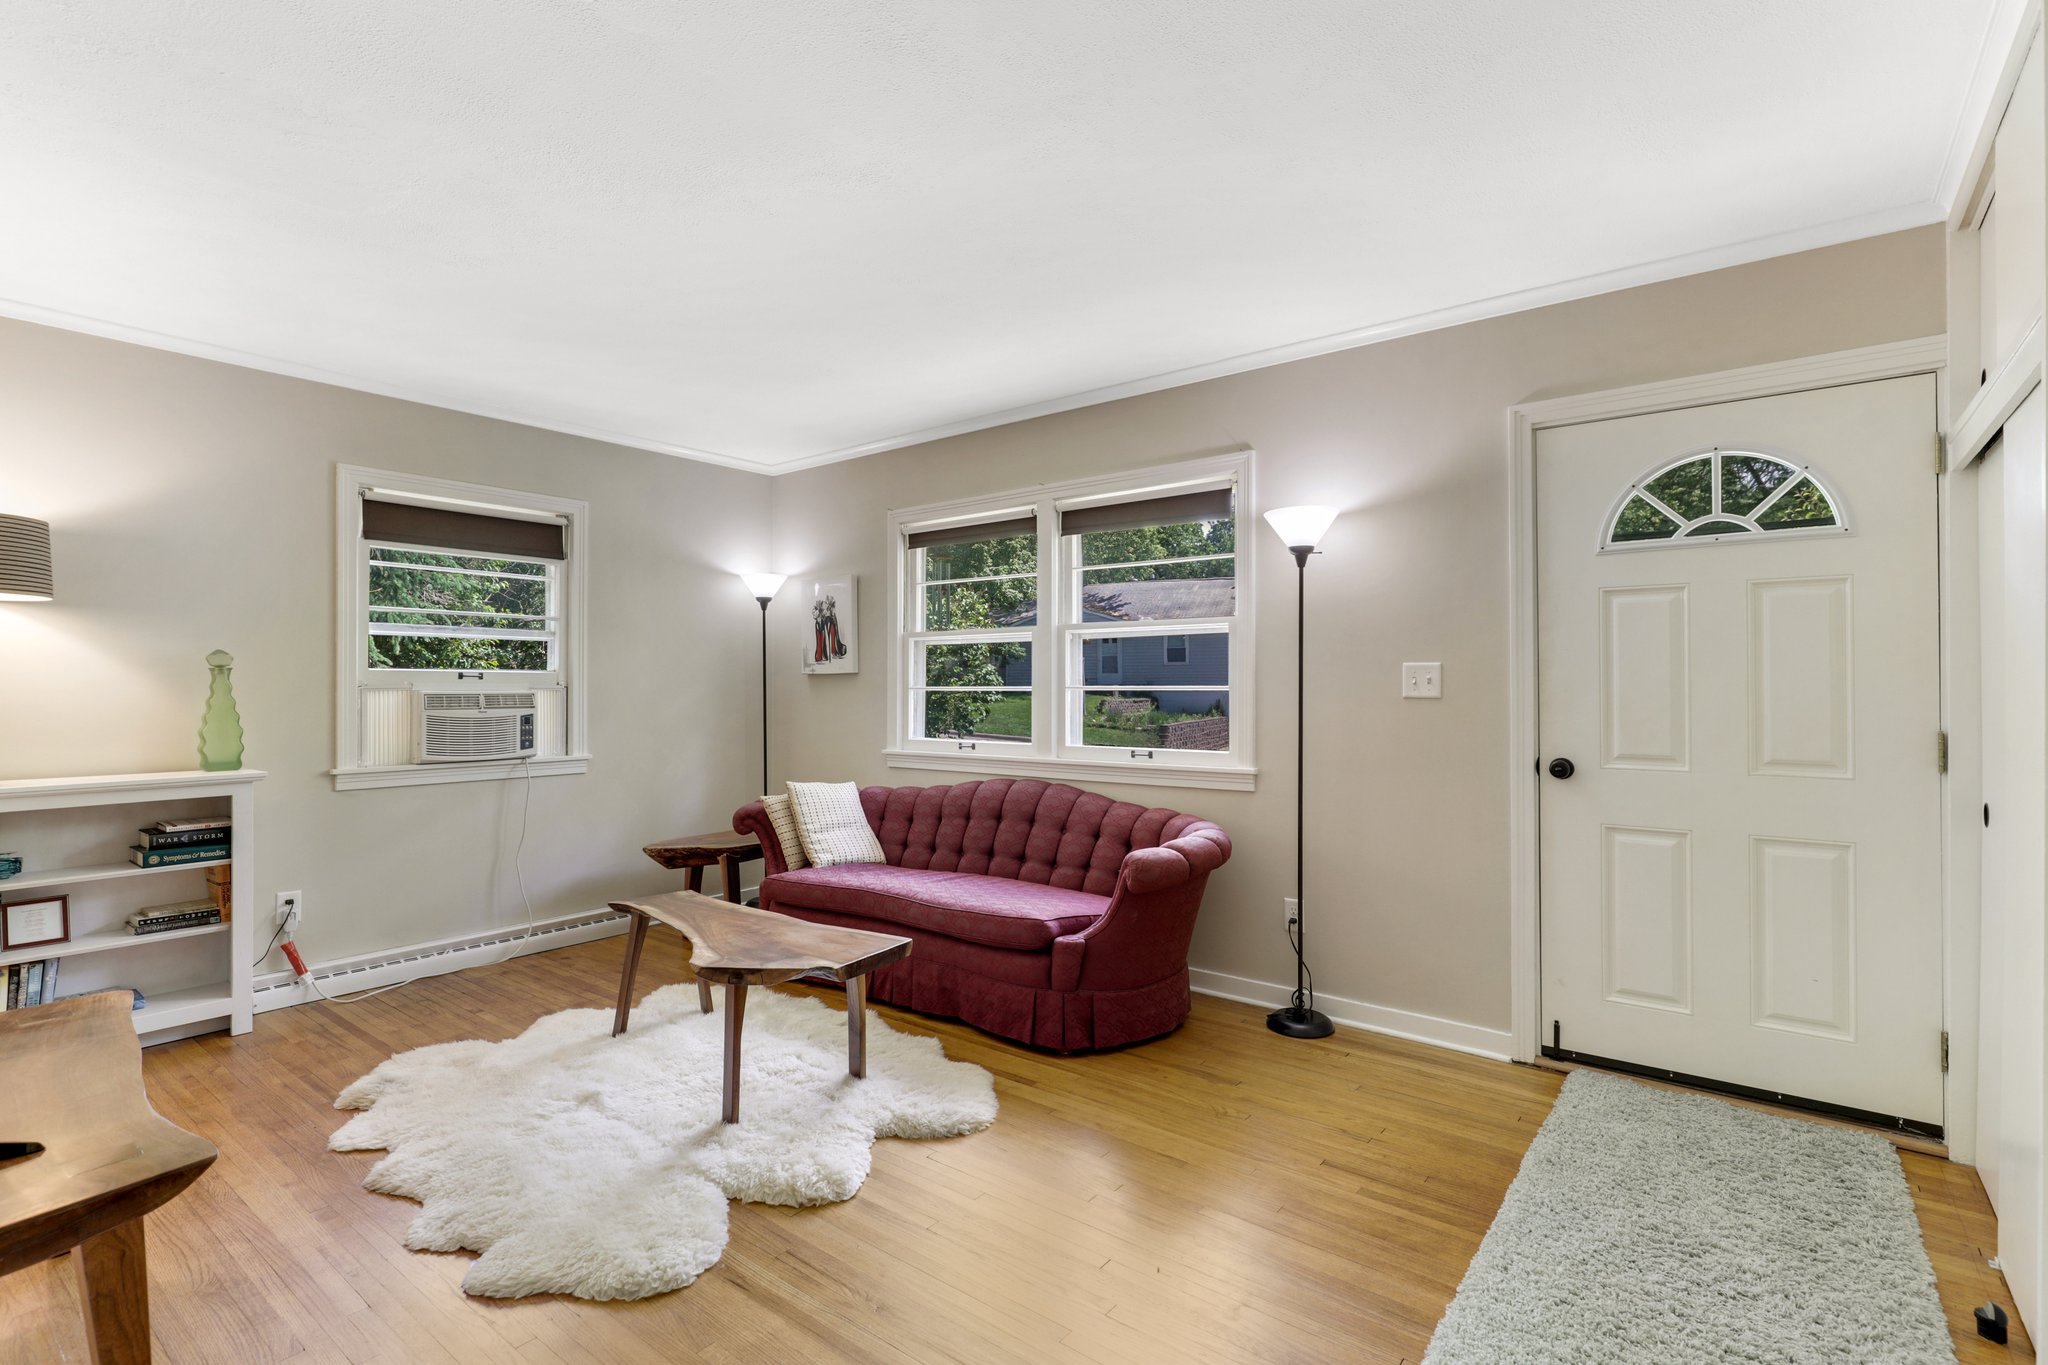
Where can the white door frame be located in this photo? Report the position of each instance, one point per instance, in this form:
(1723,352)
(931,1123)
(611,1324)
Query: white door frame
(1961,791)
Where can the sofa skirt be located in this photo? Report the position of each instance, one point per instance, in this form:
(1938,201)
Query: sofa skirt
(1007,992)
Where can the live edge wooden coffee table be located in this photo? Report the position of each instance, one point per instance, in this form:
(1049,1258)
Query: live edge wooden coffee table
(738,947)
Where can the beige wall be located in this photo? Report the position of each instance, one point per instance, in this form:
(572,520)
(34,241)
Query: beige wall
(191,505)
(1408,863)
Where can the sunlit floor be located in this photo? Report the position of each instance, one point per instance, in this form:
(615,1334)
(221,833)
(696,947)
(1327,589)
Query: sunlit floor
(1223,1194)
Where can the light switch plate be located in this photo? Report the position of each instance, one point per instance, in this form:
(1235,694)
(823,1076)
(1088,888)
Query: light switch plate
(1422,680)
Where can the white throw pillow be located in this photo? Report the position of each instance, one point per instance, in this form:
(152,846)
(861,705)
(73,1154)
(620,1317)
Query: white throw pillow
(830,824)
(784,820)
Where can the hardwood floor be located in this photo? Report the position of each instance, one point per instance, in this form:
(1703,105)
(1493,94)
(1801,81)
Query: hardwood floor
(1221,1195)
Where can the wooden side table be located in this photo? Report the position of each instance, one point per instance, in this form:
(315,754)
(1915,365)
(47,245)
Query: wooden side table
(102,1158)
(695,852)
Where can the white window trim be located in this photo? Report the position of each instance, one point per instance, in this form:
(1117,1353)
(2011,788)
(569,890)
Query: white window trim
(351,482)
(1048,755)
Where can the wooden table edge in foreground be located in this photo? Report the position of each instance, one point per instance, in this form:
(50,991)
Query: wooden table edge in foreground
(738,946)
(72,1073)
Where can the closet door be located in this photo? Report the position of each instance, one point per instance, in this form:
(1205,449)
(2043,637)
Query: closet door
(2013,484)
(2014,264)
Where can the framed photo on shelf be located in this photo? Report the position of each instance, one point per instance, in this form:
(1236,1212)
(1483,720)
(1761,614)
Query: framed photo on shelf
(34,923)
(831,642)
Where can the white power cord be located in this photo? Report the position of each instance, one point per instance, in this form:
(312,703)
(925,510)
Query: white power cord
(511,949)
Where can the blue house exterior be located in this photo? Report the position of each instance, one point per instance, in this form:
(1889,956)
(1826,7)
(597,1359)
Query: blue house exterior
(1140,663)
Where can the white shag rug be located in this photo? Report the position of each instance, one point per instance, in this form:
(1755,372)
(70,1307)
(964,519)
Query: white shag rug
(1653,1228)
(578,1163)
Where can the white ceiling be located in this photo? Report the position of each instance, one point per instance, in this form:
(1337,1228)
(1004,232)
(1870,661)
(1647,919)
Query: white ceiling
(773,234)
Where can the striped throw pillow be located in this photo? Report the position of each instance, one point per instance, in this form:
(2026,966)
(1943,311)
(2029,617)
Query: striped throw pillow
(831,825)
(784,820)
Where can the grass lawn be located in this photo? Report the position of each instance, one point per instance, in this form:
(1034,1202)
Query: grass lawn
(1011,715)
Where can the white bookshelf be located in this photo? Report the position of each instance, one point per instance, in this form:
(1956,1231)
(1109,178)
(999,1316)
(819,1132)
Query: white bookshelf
(73,833)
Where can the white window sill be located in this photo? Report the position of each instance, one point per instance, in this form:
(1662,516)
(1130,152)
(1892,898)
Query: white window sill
(1077,770)
(431,774)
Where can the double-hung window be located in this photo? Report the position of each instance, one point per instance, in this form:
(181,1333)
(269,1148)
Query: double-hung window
(450,592)
(1100,627)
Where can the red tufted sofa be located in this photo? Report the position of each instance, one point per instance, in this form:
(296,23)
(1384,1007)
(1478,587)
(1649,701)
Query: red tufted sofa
(1040,912)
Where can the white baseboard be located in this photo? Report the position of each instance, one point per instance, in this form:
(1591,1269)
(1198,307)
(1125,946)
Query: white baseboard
(1498,1044)
(279,990)
(276,990)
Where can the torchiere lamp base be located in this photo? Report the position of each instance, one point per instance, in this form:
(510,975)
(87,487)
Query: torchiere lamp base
(1295,1022)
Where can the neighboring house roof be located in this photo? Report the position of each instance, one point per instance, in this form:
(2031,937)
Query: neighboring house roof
(1158,599)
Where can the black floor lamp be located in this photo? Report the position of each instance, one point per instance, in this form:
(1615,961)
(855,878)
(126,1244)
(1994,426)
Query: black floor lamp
(1301,528)
(764,586)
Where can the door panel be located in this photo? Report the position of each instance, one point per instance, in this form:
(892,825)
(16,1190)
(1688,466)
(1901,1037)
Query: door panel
(2013,488)
(1741,880)
(1645,679)
(1647,900)
(1801,684)
(1802,904)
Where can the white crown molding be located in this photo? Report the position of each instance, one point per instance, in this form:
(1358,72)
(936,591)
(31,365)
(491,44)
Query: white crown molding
(1999,57)
(250,360)
(1653,272)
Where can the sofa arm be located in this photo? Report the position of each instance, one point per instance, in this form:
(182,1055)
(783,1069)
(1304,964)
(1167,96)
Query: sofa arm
(1144,935)
(752,819)
(1199,850)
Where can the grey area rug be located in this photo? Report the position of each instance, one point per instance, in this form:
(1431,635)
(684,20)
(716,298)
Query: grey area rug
(1653,1228)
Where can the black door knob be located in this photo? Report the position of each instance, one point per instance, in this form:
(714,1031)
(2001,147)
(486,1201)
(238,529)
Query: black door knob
(1561,768)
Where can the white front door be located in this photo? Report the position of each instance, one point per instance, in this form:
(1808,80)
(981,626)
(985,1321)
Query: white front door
(1739,663)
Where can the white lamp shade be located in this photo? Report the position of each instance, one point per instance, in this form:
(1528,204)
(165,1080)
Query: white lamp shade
(1301,527)
(25,560)
(764,584)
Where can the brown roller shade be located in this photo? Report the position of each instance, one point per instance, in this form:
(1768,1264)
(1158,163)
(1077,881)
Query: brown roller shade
(967,535)
(1211,504)
(477,533)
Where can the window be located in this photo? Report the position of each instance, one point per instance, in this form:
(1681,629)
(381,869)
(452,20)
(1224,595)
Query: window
(1084,626)
(454,588)
(435,610)
(1703,499)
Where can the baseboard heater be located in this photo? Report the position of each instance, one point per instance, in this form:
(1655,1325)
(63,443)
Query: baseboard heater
(1891,1122)
(289,985)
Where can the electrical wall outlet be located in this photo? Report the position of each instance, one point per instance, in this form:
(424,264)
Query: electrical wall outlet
(1422,680)
(1292,907)
(290,906)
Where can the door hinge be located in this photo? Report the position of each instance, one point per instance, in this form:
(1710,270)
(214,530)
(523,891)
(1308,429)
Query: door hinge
(1944,1049)
(1940,453)
(1941,750)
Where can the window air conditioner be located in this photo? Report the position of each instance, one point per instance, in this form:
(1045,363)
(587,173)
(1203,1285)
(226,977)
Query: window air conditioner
(470,727)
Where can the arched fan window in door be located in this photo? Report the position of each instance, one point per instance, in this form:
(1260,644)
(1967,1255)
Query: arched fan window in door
(1722,495)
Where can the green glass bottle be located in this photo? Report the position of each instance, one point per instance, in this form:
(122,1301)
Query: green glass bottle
(220,729)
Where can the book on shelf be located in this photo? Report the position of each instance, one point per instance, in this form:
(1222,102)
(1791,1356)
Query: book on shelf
(176,857)
(135,998)
(197,822)
(157,919)
(184,838)
(28,983)
(220,887)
